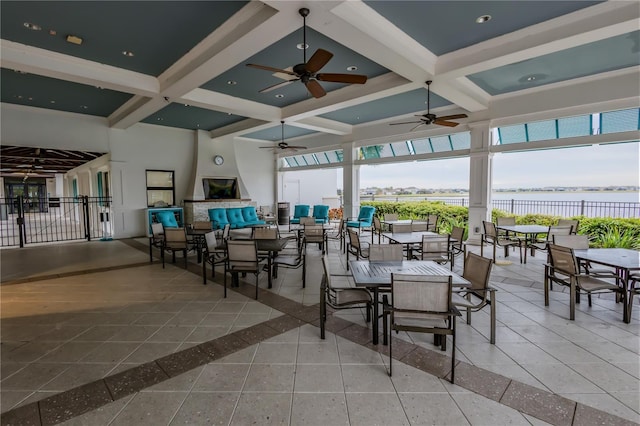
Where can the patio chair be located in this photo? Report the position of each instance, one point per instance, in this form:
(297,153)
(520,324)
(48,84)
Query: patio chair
(215,252)
(321,213)
(419,226)
(202,224)
(156,239)
(542,244)
(337,234)
(634,289)
(581,242)
(299,211)
(390,216)
(477,270)
(422,304)
(265,233)
(175,239)
(436,248)
(570,222)
(242,257)
(506,221)
(314,234)
(457,245)
(364,221)
(385,253)
(491,237)
(401,228)
(563,269)
(340,297)
(293,260)
(432,223)
(356,247)
(377,229)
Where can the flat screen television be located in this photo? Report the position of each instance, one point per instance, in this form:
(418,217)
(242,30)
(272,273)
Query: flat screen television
(220,188)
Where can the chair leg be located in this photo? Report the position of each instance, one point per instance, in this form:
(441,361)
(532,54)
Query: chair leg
(225,281)
(162,256)
(589,298)
(204,271)
(453,350)
(390,353)
(369,308)
(492,300)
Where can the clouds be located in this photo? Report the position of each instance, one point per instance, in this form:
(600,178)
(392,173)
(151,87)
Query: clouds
(600,165)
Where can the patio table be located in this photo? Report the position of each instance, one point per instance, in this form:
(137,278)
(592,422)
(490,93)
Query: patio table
(622,260)
(530,233)
(377,275)
(407,238)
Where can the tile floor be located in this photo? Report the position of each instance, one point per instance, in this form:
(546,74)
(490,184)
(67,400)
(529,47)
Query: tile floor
(86,325)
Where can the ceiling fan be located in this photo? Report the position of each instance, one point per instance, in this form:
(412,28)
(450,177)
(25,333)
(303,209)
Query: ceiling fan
(428,118)
(307,72)
(282,144)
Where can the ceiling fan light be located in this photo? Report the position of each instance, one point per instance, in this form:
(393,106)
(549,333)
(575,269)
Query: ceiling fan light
(482,19)
(352,68)
(32,26)
(279,95)
(302,46)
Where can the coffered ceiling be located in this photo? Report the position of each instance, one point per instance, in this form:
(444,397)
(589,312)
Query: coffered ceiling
(183,63)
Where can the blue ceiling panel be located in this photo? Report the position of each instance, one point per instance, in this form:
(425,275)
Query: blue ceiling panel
(275,133)
(157,32)
(44,92)
(604,55)
(446,26)
(283,54)
(190,117)
(403,103)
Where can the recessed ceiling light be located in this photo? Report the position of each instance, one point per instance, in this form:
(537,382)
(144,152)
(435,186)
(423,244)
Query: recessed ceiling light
(482,19)
(20,72)
(159,118)
(231,82)
(30,26)
(53,32)
(279,95)
(19,96)
(302,46)
(84,107)
(229,113)
(198,125)
(532,77)
(52,102)
(128,53)
(352,68)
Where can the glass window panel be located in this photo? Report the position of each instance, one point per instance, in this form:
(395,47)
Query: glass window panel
(399,148)
(340,156)
(620,121)
(322,158)
(371,151)
(441,144)
(512,134)
(461,140)
(162,179)
(159,195)
(309,159)
(574,126)
(542,130)
(289,162)
(422,146)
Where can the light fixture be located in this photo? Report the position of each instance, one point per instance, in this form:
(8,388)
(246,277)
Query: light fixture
(352,68)
(482,19)
(231,82)
(84,107)
(53,32)
(159,118)
(30,26)
(279,95)
(302,46)
(52,102)
(74,39)
(128,53)
(532,78)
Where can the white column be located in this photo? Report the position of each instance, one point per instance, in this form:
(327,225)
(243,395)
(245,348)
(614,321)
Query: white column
(350,182)
(59,185)
(480,177)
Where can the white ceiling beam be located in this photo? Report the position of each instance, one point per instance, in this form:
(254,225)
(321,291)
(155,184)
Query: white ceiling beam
(241,127)
(225,103)
(43,62)
(584,26)
(324,125)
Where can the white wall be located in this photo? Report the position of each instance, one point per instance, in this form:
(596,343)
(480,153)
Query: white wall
(133,151)
(315,185)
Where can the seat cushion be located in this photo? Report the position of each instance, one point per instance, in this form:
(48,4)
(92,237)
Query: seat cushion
(218,217)
(321,213)
(249,214)
(235,217)
(167,219)
(301,210)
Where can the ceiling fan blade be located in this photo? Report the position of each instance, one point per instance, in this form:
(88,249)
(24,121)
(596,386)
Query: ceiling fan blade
(267,147)
(415,127)
(266,68)
(445,123)
(277,85)
(318,60)
(405,122)
(343,78)
(315,89)
(452,117)
(296,147)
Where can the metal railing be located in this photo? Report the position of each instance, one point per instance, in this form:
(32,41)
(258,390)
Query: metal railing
(614,209)
(26,220)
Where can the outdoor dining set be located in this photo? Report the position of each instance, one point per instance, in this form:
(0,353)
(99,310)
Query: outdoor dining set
(402,270)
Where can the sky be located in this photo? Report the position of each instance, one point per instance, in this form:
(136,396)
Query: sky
(598,165)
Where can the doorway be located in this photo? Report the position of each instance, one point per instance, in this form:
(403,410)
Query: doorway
(32,191)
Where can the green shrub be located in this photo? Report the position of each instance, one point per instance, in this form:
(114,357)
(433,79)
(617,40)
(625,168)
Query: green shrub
(603,231)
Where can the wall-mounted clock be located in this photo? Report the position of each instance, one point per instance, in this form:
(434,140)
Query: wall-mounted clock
(218,160)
